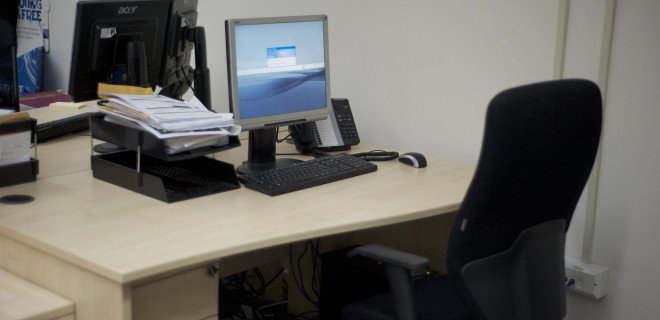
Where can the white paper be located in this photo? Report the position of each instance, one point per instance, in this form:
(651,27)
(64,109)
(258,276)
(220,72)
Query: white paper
(14,148)
(181,125)
(163,113)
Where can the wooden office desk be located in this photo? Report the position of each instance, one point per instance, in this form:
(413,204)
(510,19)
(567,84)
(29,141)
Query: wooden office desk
(118,254)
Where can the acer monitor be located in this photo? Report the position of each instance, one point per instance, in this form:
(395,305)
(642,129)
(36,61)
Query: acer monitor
(278,73)
(145,43)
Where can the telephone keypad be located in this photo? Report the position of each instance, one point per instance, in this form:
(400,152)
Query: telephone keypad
(345,121)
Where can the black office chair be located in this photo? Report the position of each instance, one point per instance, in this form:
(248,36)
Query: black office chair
(505,255)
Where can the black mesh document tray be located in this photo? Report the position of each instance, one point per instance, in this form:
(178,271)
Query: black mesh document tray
(165,180)
(130,138)
(155,173)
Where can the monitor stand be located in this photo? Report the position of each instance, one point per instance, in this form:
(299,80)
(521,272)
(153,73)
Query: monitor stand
(261,152)
(201,73)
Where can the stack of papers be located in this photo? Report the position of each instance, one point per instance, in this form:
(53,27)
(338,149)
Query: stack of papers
(182,125)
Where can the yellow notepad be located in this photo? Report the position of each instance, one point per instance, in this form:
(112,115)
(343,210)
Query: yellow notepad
(66,105)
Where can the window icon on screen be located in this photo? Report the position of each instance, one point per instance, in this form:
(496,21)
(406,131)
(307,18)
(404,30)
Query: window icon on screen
(281,56)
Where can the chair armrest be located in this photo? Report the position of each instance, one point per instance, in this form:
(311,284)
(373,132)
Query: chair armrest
(397,263)
(390,256)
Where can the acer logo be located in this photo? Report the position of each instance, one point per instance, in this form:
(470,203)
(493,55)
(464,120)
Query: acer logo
(127,10)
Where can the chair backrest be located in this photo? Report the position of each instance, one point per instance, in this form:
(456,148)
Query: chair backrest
(507,243)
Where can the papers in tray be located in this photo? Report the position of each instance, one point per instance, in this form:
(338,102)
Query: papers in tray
(182,125)
(14,142)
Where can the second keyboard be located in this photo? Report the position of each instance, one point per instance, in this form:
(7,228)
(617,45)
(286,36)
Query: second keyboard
(307,174)
(64,126)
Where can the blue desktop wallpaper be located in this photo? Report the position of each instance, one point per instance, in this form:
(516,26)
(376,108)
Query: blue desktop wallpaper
(280,68)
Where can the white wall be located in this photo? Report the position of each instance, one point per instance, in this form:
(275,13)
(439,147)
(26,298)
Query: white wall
(419,75)
(626,238)
(427,69)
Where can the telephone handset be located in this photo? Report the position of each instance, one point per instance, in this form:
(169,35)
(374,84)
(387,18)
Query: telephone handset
(336,133)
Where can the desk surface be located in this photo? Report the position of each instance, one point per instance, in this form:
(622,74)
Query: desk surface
(125,236)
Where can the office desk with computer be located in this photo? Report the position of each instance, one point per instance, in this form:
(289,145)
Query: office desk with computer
(118,254)
(100,245)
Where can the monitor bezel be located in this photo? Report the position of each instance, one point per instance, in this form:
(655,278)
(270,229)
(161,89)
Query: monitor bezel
(279,119)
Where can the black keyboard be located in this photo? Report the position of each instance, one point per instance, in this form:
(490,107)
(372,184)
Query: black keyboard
(57,128)
(307,174)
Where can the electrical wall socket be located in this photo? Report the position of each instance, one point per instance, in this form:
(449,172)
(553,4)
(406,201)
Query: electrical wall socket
(586,278)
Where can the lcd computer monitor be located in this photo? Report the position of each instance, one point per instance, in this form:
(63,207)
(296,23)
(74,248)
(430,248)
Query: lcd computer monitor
(8,79)
(278,73)
(8,73)
(144,43)
(119,42)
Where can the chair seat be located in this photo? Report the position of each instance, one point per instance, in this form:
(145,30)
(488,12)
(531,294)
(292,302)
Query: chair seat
(436,298)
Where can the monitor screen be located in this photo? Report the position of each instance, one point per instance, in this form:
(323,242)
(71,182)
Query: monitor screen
(278,72)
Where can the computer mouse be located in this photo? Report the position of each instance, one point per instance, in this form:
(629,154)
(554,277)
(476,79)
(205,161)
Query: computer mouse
(413,159)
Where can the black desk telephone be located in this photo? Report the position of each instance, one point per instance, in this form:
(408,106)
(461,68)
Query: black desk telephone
(336,133)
